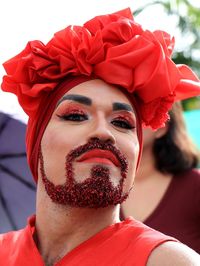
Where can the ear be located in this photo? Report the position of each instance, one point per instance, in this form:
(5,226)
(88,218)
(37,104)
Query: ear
(161,131)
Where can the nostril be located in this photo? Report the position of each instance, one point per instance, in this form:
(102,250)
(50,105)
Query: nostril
(95,139)
(108,140)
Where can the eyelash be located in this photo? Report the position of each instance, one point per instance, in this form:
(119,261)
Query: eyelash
(76,116)
(79,116)
(122,123)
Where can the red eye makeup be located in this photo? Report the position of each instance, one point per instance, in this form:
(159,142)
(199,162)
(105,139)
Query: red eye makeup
(124,121)
(71,112)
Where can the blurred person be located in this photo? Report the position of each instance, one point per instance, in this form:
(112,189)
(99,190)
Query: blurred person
(84,140)
(165,195)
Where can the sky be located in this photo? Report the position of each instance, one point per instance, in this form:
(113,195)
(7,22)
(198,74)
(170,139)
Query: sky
(24,20)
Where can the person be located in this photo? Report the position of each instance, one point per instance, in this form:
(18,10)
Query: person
(166,189)
(87,93)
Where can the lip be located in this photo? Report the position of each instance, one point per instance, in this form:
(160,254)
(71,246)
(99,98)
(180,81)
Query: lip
(99,156)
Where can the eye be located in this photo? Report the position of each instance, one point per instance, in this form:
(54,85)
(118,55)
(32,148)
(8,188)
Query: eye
(74,116)
(122,123)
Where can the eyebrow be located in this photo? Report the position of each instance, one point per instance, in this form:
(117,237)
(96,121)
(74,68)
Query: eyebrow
(122,107)
(117,106)
(77,98)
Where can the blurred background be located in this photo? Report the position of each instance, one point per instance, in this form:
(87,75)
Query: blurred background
(22,21)
(184,15)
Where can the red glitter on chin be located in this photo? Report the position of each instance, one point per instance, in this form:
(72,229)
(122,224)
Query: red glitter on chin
(97,191)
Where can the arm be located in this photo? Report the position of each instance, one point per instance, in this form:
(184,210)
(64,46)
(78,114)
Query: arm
(173,254)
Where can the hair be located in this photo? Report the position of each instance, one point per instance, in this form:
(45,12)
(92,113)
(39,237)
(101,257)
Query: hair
(175,152)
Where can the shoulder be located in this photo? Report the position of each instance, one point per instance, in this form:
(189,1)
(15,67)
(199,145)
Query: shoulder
(142,230)
(191,183)
(10,238)
(195,173)
(173,253)
(143,235)
(188,180)
(6,236)
(192,174)
(16,236)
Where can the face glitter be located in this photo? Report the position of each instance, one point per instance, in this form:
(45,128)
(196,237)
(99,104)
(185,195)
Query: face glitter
(97,191)
(63,111)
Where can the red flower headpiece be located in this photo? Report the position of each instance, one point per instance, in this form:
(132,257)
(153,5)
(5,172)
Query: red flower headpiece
(113,48)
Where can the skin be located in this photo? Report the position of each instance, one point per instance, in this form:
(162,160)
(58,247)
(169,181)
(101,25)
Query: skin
(60,227)
(60,137)
(173,254)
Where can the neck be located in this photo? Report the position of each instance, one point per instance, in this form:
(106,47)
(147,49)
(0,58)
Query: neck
(59,229)
(147,166)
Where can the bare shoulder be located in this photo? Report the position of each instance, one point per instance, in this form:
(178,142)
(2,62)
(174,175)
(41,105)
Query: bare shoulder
(173,254)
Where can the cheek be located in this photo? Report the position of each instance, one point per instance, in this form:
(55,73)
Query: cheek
(132,158)
(130,148)
(55,146)
(131,151)
(59,139)
(50,139)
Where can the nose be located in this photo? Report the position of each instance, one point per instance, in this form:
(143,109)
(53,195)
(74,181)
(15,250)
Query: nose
(101,131)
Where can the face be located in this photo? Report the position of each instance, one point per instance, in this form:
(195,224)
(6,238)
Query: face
(90,147)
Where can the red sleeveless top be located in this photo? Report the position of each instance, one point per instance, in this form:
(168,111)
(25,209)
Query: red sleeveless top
(126,243)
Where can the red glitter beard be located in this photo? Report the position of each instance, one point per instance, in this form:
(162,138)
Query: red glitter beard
(96,191)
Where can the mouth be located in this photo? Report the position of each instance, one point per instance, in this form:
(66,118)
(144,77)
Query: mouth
(99,156)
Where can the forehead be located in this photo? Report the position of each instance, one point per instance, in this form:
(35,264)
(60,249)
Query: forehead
(99,92)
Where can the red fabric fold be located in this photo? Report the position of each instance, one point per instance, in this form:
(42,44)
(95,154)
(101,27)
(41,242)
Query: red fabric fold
(112,47)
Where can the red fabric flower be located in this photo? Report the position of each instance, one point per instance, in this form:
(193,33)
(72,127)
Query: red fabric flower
(113,48)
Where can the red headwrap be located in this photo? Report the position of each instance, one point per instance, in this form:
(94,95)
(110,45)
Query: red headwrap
(113,48)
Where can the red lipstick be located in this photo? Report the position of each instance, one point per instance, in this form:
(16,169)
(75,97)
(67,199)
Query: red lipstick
(99,156)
